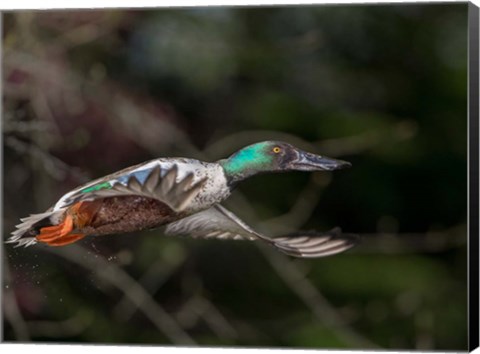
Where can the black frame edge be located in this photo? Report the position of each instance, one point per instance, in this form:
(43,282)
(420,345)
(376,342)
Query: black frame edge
(473,107)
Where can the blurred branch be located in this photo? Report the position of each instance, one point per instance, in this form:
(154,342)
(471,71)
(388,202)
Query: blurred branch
(52,165)
(17,127)
(142,127)
(72,326)
(200,307)
(84,34)
(152,280)
(399,243)
(289,272)
(356,144)
(152,131)
(219,323)
(10,306)
(303,207)
(135,292)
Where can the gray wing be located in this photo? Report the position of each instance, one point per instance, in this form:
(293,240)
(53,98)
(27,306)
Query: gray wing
(176,194)
(218,222)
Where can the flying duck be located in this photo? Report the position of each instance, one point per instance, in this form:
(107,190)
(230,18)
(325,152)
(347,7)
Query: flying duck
(184,195)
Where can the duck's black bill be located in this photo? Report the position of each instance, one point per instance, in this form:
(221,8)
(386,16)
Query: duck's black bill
(307,161)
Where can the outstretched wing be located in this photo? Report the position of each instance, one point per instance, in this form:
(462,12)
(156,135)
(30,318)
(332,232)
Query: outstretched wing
(218,222)
(156,183)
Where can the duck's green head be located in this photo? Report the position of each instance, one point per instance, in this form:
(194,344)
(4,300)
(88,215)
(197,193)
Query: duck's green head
(275,156)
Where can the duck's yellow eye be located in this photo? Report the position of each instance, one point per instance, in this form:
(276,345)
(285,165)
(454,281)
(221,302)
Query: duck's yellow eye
(276,149)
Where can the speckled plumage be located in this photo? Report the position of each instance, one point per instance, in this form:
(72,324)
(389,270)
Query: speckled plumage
(130,213)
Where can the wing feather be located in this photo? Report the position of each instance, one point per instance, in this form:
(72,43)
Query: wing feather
(210,223)
(176,194)
(217,222)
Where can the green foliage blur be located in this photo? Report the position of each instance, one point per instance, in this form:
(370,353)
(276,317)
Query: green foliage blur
(87,93)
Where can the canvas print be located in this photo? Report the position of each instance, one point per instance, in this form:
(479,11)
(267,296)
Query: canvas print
(269,177)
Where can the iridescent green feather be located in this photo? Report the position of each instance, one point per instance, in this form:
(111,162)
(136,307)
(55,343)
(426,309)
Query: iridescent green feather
(105,185)
(251,157)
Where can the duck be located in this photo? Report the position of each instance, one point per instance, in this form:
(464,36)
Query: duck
(183,195)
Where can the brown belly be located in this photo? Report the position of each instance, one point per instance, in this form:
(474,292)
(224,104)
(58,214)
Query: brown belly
(128,214)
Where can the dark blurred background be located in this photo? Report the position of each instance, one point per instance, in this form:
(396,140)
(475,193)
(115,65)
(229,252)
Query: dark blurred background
(87,93)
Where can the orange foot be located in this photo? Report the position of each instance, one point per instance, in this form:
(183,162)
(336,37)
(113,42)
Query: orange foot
(59,235)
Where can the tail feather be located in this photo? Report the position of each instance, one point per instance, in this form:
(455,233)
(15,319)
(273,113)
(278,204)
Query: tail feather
(27,230)
(59,235)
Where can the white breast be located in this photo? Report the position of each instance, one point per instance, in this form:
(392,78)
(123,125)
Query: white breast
(215,189)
